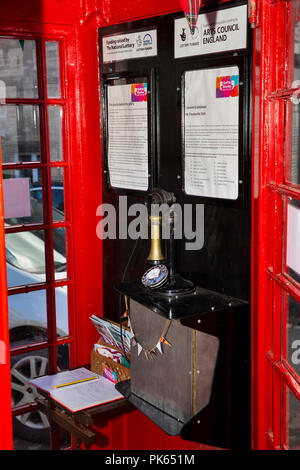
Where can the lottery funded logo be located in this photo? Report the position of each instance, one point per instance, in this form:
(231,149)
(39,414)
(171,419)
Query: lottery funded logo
(138,92)
(227,86)
(187,35)
(147,40)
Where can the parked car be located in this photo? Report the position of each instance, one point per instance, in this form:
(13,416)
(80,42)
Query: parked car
(25,262)
(57,192)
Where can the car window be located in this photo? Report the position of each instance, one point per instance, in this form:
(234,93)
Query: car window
(37,194)
(25,251)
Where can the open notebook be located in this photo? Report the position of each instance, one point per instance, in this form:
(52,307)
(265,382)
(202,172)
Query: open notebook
(77,389)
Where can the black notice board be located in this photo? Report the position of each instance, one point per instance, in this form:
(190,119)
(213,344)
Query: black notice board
(223,264)
(165,75)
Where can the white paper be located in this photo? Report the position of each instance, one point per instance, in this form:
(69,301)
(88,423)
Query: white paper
(293,238)
(217,31)
(211,117)
(49,382)
(86,394)
(128,136)
(129,46)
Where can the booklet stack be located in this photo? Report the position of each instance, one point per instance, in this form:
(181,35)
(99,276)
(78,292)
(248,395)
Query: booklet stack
(111,354)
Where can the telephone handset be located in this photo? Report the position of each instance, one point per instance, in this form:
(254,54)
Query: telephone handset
(162,275)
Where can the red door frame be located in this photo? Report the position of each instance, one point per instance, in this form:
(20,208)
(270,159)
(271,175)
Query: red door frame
(5,390)
(271,92)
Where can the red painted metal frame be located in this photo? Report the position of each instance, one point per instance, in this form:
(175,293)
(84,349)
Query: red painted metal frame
(272,376)
(5,392)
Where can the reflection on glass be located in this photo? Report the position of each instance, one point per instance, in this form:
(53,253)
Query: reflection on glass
(18,68)
(32,426)
(21,205)
(52,64)
(55,133)
(292,146)
(59,253)
(25,258)
(61,304)
(293,420)
(27,317)
(20,133)
(292,245)
(57,186)
(296,40)
(293,333)
(63,354)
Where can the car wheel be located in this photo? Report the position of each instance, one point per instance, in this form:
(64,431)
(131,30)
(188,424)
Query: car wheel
(34,425)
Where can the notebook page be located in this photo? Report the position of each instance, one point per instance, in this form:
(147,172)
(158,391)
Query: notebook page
(49,382)
(86,394)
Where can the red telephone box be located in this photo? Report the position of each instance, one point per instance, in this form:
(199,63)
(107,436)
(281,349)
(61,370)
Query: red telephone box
(57,45)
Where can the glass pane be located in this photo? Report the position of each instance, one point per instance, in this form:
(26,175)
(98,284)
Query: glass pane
(31,430)
(61,303)
(59,253)
(52,64)
(25,258)
(292,147)
(293,239)
(55,133)
(293,420)
(293,333)
(63,357)
(18,69)
(296,35)
(57,185)
(20,133)
(27,317)
(23,201)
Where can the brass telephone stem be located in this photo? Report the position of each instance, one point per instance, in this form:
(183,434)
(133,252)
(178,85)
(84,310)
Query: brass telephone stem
(155,254)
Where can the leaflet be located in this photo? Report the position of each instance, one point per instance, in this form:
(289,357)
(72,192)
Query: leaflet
(127,127)
(211,132)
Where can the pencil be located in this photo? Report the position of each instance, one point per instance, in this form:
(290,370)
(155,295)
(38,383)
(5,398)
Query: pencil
(76,382)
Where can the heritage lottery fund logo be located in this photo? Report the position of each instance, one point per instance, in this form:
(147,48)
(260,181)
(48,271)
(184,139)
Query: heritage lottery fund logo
(227,86)
(138,92)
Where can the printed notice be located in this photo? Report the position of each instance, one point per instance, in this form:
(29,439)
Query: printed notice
(217,31)
(211,119)
(128,136)
(129,46)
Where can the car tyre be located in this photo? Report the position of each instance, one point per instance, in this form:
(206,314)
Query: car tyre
(34,425)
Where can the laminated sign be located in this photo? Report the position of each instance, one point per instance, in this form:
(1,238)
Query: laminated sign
(211,132)
(217,31)
(129,46)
